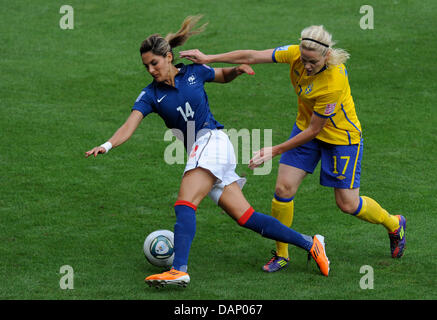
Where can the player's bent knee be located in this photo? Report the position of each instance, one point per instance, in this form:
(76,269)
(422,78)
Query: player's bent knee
(285,191)
(347,207)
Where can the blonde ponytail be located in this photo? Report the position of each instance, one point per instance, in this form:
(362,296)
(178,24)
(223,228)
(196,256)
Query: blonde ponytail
(317,38)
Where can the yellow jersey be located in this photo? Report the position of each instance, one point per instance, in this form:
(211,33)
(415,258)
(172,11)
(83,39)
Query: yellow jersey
(327,94)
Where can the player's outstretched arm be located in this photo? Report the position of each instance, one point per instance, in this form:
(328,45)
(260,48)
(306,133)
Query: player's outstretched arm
(120,136)
(224,75)
(265,154)
(237,57)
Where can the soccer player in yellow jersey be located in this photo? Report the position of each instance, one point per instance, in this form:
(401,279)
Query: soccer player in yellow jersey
(327,129)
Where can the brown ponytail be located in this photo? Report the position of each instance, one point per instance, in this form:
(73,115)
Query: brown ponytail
(185,32)
(161,46)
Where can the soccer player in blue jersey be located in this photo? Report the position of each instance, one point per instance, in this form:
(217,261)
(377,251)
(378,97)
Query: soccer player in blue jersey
(326,130)
(177,94)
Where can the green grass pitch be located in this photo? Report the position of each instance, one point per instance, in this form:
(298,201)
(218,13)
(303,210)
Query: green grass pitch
(64,91)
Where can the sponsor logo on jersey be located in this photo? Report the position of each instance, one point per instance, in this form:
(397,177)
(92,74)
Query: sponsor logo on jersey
(162,98)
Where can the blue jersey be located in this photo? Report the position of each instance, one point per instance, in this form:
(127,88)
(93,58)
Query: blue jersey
(185,102)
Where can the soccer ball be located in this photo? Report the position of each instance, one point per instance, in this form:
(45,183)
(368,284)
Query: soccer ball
(159,248)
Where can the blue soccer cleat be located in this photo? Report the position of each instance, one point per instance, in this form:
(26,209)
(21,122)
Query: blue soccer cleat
(276,263)
(397,238)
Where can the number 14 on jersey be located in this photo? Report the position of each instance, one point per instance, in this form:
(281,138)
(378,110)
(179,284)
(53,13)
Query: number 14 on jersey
(188,111)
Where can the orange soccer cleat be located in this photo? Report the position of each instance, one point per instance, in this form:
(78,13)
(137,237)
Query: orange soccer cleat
(173,276)
(319,254)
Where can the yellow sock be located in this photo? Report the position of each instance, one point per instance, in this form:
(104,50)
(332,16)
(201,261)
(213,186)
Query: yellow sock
(372,212)
(283,211)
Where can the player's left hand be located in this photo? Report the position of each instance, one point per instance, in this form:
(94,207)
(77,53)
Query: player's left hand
(244,68)
(261,156)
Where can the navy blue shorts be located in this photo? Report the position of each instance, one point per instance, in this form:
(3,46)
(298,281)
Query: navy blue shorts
(340,166)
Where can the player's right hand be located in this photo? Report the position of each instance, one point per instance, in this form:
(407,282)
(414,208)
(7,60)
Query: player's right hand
(95,151)
(194,55)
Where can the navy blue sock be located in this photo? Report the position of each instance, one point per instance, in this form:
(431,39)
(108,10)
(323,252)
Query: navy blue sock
(271,228)
(184,231)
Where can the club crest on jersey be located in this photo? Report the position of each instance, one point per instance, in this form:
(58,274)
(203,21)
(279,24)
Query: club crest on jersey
(330,108)
(192,79)
(309,89)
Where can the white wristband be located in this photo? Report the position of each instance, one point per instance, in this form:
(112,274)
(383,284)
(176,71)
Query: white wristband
(107,145)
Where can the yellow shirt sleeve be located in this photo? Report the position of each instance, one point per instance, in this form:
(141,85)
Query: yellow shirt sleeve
(285,54)
(327,104)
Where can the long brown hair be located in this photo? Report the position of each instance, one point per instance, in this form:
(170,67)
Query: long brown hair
(161,46)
